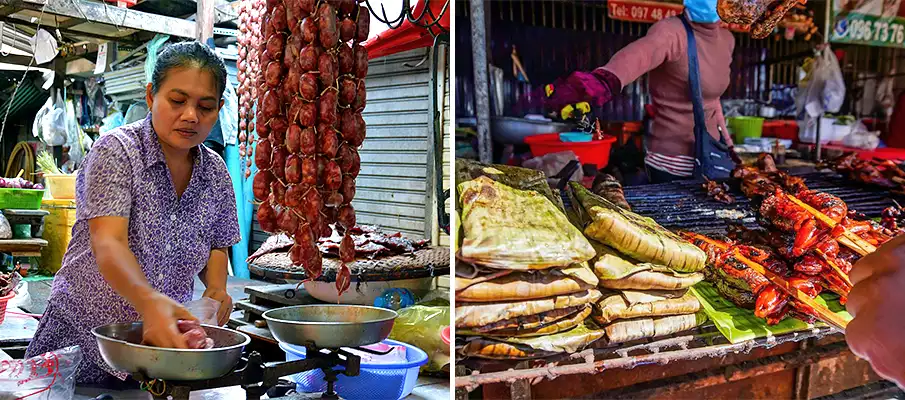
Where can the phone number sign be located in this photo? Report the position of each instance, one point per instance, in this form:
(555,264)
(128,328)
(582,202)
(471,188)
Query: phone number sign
(869,29)
(642,11)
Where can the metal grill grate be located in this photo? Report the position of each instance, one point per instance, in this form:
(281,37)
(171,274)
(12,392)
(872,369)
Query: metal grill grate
(685,204)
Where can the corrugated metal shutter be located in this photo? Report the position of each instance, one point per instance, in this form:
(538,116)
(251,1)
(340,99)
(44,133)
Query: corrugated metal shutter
(392,186)
(447,140)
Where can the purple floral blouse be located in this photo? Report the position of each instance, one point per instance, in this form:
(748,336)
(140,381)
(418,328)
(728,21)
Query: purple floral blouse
(125,175)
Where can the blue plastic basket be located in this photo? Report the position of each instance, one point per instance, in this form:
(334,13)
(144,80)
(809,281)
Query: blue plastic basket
(374,381)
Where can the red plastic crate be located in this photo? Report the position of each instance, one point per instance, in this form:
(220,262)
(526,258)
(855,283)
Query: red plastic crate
(781,129)
(594,152)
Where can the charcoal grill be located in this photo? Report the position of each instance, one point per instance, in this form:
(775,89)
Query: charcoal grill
(683,205)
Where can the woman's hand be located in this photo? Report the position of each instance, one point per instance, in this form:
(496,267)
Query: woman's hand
(226,304)
(596,88)
(159,315)
(876,302)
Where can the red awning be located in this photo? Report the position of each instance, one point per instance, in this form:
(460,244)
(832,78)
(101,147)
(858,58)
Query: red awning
(408,36)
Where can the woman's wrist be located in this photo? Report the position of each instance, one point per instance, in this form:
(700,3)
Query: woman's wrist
(143,298)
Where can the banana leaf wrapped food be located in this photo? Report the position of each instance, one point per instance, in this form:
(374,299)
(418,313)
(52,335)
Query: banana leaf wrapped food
(617,273)
(647,328)
(514,177)
(470,315)
(523,285)
(527,322)
(632,304)
(508,228)
(569,341)
(559,325)
(638,237)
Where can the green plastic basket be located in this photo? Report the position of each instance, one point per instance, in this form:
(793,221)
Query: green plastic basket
(21,199)
(745,127)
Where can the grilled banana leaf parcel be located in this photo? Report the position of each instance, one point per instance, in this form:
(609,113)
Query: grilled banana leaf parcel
(469,315)
(647,328)
(523,285)
(630,304)
(615,272)
(564,324)
(638,237)
(508,228)
(496,350)
(570,341)
(527,322)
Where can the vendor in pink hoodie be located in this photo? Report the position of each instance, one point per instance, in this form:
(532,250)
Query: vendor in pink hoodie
(662,54)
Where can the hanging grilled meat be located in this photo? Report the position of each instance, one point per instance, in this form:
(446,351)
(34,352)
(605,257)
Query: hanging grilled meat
(761,15)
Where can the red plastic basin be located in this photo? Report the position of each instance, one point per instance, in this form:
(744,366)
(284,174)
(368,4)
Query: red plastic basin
(594,152)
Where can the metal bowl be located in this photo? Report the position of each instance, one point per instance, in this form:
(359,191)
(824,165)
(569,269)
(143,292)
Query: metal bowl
(512,130)
(119,347)
(330,326)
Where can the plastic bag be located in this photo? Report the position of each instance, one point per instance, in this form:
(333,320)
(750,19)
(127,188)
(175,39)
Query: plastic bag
(79,143)
(6,232)
(54,131)
(205,309)
(421,326)
(49,376)
(862,139)
(552,163)
(229,115)
(112,122)
(136,112)
(824,86)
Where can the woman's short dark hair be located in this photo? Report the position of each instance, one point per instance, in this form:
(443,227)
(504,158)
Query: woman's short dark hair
(189,54)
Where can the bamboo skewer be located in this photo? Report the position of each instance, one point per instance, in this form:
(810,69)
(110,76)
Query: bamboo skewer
(823,313)
(848,239)
(836,268)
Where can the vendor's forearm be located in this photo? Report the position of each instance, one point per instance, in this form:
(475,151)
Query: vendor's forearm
(214,274)
(121,270)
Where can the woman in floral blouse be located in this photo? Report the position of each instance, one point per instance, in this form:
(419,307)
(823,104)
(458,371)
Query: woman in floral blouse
(155,209)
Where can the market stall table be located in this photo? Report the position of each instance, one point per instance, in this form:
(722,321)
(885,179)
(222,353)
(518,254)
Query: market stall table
(425,389)
(22,247)
(805,364)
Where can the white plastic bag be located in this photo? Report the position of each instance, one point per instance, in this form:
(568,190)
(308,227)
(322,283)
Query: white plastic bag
(205,309)
(54,131)
(862,139)
(49,376)
(824,86)
(79,143)
(6,232)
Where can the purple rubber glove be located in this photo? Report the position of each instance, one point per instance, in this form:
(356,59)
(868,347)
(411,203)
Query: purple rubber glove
(595,87)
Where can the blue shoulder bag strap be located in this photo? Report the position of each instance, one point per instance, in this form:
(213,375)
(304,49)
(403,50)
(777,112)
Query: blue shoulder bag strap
(697,101)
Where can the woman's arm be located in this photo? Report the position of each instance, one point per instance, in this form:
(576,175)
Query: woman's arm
(645,54)
(119,267)
(214,278)
(104,188)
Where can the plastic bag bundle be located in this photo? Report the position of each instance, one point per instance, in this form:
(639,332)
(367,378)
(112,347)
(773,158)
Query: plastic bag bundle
(420,326)
(49,376)
(6,232)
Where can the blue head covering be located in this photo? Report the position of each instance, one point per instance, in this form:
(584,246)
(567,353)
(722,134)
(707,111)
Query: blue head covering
(703,11)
